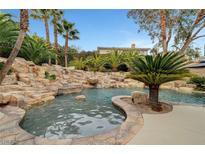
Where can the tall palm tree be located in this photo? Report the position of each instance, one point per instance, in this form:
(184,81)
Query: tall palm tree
(159,69)
(69,32)
(43,14)
(57,15)
(24,16)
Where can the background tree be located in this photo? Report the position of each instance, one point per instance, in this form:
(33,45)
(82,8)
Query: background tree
(193,53)
(184,26)
(68,31)
(156,70)
(163,29)
(57,16)
(189,28)
(43,14)
(23,29)
(72,52)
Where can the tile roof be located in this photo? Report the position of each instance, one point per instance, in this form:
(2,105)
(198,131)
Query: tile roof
(118,48)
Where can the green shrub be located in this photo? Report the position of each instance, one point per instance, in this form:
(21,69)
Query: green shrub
(198,81)
(2,65)
(50,77)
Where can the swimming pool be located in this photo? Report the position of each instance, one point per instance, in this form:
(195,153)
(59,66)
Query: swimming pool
(69,118)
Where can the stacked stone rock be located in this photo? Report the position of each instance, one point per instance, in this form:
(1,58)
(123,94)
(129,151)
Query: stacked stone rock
(27,85)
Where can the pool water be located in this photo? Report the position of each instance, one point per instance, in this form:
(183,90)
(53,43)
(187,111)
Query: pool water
(68,118)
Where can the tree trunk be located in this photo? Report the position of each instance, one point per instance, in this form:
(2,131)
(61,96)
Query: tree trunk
(163,30)
(114,69)
(154,97)
(186,45)
(19,41)
(66,49)
(47,37)
(56,40)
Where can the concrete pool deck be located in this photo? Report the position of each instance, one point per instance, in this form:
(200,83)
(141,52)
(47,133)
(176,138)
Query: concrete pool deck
(184,125)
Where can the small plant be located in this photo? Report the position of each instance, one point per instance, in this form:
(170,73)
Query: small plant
(199,82)
(50,77)
(47,75)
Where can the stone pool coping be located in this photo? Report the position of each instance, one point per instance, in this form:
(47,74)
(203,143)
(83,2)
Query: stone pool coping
(12,133)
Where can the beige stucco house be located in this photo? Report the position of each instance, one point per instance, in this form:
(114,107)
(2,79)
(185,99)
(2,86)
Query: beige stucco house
(107,50)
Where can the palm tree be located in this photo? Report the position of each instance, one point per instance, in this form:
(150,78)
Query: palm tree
(79,63)
(9,31)
(24,16)
(115,59)
(69,32)
(36,49)
(159,69)
(57,15)
(129,56)
(43,14)
(8,28)
(95,62)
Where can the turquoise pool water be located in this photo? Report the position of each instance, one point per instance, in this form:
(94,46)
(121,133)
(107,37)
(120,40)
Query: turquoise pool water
(68,118)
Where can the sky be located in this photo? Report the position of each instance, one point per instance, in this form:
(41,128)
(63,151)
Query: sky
(99,28)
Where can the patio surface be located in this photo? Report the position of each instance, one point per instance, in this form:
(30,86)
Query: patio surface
(184,125)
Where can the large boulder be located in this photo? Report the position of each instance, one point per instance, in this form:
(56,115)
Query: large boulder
(80,97)
(21,65)
(16,100)
(118,78)
(185,90)
(4,98)
(92,81)
(10,79)
(139,97)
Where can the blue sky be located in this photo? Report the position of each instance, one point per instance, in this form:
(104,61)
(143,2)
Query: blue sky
(106,28)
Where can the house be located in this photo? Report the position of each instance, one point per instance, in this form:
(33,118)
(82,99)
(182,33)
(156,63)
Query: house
(198,68)
(107,50)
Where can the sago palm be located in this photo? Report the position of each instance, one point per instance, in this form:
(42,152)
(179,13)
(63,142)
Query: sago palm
(68,31)
(79,63)
(159,69)
(115,59)
(36,50)
(129,56)
(95,62)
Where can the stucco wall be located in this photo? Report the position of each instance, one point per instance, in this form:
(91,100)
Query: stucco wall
(198,71)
